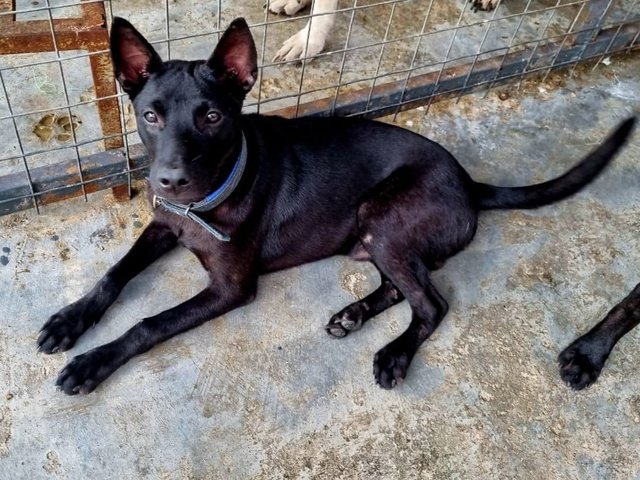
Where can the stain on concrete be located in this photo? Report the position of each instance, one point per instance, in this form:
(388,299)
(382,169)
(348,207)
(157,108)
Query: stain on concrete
(5,430)
(355,284)
(102,236)
(52,464)
(64,253)
(634,406)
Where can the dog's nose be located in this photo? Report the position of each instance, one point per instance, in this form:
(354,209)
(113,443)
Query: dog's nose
(173,179)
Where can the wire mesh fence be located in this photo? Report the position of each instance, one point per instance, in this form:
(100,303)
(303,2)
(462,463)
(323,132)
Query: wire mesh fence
(65,130)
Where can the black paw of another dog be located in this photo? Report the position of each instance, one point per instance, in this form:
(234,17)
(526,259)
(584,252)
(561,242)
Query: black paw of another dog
(390,367)
(63,329)
(581,363)
(85,372)
(348,320)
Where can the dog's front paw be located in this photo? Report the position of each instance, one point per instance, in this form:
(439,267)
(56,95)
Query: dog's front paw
(65,327)
(390,366)
(85,372)
(581,362)
(297,48)
(348,320)
(484,4)
(290,7)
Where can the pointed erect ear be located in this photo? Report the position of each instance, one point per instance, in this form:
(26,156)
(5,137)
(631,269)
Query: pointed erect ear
(235,60)
(134,59)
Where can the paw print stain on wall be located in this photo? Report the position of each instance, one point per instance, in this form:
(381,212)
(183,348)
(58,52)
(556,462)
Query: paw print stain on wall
(60,127)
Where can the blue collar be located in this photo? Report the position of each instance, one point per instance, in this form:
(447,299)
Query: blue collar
(212,200)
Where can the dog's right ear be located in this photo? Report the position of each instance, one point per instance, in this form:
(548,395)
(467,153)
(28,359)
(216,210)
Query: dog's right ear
(134,59)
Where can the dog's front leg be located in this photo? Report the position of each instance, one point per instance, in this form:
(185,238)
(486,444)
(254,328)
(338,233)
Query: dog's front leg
(65,327)
(85,372)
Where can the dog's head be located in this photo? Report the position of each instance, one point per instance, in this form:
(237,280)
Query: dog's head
(187,112)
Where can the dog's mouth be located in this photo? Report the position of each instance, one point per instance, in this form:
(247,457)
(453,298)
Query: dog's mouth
(185,197)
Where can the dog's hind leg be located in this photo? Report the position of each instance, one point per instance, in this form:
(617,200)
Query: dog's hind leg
(428,308)
(582,361)
(353,316)
(409,226)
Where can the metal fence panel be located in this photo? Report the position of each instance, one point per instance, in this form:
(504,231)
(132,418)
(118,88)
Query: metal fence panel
(66,131)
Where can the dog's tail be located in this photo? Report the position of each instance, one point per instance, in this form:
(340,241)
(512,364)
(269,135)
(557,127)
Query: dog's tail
(490,197)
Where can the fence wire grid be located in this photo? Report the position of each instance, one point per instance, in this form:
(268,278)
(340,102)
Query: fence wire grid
(65,130)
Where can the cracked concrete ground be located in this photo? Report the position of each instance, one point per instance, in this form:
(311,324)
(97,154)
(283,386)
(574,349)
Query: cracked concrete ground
(264,393)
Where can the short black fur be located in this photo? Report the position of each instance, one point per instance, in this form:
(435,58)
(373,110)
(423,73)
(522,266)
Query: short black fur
(312,188)
(583,360)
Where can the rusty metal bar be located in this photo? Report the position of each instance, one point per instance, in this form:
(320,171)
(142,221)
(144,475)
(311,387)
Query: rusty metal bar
(108,108)
(121,191)
(61,181)
(8,8)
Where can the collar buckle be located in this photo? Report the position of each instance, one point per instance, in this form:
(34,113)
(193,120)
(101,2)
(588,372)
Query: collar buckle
(212,200)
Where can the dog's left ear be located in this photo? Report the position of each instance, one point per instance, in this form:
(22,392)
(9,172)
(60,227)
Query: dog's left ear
(234,61)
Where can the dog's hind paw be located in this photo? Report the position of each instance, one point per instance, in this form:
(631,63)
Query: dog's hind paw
(390,367)
(85,372)
(348,320)
(581,363)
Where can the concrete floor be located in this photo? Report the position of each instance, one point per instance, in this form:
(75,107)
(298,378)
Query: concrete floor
(264,393)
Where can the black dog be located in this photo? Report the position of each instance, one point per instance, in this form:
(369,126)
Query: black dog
(231,189)
(583,360)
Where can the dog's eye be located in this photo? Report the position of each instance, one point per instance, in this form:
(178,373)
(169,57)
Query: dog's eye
(213,117)
(151,117)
